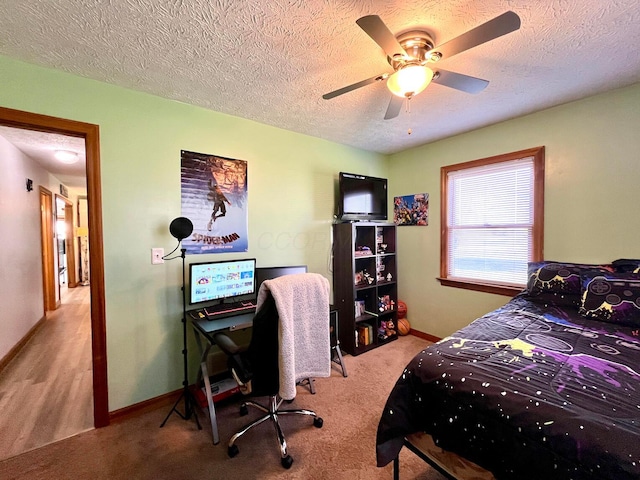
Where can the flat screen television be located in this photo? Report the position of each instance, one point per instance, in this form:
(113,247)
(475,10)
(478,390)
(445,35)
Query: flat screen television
(222,280)
(362,197)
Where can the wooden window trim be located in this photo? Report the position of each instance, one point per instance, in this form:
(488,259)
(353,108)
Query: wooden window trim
(537,253)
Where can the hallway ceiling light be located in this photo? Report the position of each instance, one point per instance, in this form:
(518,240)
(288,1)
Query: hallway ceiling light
(66,156)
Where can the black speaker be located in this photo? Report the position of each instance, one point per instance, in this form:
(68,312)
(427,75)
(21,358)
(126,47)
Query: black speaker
(181,228)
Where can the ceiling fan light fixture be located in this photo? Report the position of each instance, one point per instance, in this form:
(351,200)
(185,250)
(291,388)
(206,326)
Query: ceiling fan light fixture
(410,80)
(66,156)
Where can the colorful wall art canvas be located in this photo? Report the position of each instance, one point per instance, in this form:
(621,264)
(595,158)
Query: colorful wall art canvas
(411,209)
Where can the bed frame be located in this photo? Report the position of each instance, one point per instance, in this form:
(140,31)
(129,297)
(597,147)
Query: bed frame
(452,466)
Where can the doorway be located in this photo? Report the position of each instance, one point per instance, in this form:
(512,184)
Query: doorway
(65,252)
(90,133)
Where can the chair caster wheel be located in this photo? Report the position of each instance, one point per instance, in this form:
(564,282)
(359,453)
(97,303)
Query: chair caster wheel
(243,410)
(232,451)
(317,422)
(286,461)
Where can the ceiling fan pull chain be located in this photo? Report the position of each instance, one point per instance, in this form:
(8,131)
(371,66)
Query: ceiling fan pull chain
(408,109)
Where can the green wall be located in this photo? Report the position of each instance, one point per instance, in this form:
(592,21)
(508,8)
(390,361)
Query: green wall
(291,177)
(592,177)
(592,194)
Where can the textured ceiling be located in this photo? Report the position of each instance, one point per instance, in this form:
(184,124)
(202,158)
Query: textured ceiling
(271,61)
(41,147)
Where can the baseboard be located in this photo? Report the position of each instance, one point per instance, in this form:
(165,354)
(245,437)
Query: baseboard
(152,403)
(137,408)
(424,336)
(21,343)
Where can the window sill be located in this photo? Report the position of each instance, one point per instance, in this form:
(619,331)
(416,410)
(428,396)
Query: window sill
(508,290)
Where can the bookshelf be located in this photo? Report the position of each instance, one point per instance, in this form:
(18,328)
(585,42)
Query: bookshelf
(365,284)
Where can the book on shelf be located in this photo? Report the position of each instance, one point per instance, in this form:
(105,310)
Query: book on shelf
(364,335)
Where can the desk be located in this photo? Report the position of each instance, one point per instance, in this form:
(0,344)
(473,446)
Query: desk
(204,328)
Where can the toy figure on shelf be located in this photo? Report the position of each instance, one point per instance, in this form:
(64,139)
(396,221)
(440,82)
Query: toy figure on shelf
(362,251)
(390,329)
(383,303)
(382,335)
(380,268)
(386,330)
(389,277)
(363,278)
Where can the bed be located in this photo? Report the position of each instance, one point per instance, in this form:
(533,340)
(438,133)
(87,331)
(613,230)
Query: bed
(547,386)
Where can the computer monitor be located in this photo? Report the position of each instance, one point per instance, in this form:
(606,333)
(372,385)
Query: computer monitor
(222,280)
(267,273)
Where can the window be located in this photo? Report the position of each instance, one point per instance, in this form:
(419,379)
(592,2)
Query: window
(492,221)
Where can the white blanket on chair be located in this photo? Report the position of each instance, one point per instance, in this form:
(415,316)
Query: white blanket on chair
(302,301)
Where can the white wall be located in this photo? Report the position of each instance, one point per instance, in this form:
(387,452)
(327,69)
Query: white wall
(21,297)
(592,194)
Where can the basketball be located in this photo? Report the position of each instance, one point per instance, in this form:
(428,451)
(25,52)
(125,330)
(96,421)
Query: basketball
(404,327)
(402,309)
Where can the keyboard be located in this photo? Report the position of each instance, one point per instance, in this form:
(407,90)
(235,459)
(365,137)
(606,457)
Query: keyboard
(228,309)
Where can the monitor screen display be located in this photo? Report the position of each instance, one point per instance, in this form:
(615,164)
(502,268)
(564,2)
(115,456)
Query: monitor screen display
(267,273)
(220,280)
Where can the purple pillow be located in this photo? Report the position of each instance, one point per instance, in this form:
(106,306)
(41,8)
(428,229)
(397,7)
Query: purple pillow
(613,298)
(626,265)
(559,277)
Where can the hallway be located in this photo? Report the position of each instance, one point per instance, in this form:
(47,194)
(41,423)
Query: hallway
(46,391)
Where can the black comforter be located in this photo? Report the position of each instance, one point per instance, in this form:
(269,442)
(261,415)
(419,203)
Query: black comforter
(528,392)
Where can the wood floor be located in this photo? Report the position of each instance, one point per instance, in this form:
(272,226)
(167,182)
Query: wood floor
(46,392)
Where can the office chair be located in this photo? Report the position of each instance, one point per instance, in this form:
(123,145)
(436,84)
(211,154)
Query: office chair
(261,367)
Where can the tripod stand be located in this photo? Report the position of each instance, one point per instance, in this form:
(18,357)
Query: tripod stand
(187,395)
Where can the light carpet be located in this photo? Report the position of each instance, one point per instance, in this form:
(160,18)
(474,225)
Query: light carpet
(136,448)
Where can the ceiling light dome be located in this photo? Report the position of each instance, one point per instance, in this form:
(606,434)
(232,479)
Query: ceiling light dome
(409,80)
(66,156)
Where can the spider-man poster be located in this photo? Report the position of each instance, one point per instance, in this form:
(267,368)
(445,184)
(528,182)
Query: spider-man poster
(214,198)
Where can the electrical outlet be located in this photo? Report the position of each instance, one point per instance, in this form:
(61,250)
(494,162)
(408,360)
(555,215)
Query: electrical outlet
(156,256)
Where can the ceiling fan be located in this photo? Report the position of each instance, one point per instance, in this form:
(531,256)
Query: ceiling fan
(409,54)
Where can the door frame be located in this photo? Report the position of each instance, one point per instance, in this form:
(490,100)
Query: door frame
(91,135)
(69,238)
(72,270)
(47,251)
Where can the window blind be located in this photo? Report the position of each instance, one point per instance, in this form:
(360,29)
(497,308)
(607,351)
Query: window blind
(490,222)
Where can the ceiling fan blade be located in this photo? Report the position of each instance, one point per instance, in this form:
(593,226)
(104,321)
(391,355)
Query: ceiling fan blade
(349,88)
(393,110)
(459,81)
(501,25)
(380,33)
